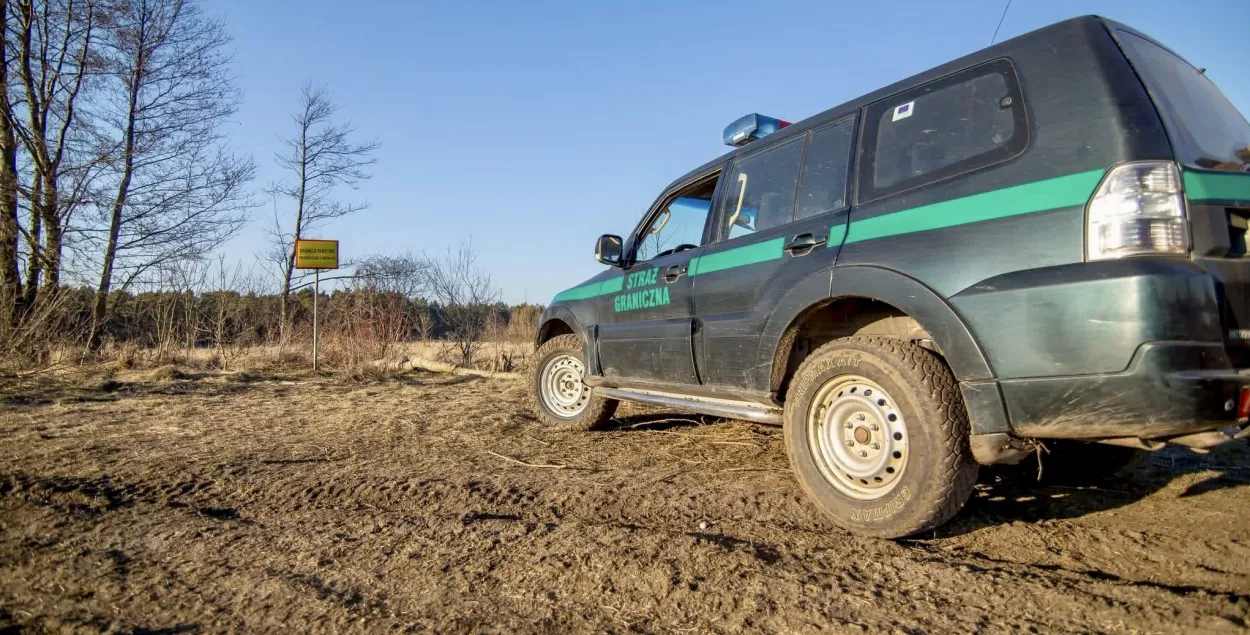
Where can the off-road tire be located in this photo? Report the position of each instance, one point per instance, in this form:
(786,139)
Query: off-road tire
(597,413)
(940,472)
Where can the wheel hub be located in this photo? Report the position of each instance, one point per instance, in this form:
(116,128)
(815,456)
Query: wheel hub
(859,436)
(563,392)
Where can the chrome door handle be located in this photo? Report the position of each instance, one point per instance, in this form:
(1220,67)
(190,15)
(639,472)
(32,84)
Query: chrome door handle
(803,244)
(674,273)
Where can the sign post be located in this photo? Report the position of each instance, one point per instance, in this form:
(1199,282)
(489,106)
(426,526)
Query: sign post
(316,299)
(316,255)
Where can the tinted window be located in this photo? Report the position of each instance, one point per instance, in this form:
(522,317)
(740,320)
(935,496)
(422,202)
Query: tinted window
(947,127)
(822,186)
(760,191)
(1205,125)
(679,225)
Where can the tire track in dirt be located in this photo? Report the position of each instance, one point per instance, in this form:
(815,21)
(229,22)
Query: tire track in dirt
(325,506)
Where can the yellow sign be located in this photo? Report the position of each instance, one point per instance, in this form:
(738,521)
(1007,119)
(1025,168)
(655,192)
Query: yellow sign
(316,254)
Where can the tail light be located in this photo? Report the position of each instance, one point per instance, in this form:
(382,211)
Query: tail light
(1139,208)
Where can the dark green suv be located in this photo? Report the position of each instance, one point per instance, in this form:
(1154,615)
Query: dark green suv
(1044,240)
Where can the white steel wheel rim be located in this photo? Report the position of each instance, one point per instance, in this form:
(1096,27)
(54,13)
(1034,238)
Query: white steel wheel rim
(564,394)
(858,437)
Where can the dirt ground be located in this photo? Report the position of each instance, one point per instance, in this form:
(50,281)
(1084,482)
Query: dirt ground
(292,503)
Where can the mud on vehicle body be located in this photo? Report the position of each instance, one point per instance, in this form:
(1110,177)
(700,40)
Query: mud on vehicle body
(1042,240)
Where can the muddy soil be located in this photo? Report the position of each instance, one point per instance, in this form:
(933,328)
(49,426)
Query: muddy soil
(225,503)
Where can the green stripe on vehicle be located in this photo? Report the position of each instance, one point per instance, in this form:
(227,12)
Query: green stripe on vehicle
(738,257)
(583,292)
(612,285)
(592,290)
(1038,196)
(1206,186)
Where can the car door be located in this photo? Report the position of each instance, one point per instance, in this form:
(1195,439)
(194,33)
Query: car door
(781,221)
(644,331)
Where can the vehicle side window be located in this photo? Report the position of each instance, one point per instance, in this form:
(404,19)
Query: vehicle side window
(947,127)
(760,191)
(822,185)
(679,225)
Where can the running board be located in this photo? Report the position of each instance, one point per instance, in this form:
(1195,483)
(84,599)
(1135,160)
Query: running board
(704,405)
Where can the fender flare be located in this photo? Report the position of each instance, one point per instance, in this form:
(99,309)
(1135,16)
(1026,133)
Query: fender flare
(553,313)
(565,314)
(950,333)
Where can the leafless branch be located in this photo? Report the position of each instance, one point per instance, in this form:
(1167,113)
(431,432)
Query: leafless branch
(319,157)
(467,299)
(174,191)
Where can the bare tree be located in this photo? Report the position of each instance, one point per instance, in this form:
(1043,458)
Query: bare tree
(176,191)
(173,305)
(319,157)
(186,276)
(224,307)
(404,274)
(55,41)
(10,281)
(45,155)
(422,323)
(466,299)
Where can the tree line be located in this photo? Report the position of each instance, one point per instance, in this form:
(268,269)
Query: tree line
(199,304)
(118,184)
(228,322)
(112,156)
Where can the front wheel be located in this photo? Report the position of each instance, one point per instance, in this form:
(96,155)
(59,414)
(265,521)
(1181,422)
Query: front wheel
(878,436)
(560,397)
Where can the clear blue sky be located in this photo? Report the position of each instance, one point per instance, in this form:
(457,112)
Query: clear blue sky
(536,126)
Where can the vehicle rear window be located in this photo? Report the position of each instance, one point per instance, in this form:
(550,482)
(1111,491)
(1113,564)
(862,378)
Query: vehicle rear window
(1206,129)
(822,185)
(952,125)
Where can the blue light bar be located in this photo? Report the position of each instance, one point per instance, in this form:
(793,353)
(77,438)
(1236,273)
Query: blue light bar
(751,127)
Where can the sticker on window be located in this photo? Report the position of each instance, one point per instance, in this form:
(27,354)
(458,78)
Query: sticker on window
(903,111)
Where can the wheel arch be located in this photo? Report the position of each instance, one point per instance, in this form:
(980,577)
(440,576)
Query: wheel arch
(555,321)
(552,328)
(863,296)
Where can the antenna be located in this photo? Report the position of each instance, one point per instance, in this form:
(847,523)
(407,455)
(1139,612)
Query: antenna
(1000,22)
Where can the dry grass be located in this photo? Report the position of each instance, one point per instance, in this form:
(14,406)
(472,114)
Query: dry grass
(493,357)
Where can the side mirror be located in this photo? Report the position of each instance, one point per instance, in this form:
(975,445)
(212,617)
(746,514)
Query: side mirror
(608,250)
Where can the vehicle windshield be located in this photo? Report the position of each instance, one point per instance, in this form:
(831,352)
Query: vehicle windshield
(1205,127)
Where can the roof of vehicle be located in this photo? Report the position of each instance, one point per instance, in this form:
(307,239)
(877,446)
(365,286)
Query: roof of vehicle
(983,55)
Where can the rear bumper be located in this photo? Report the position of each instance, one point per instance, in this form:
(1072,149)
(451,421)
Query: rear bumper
(1170,389)
(1089,318)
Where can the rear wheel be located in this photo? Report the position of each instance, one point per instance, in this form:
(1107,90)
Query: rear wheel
(560,397)
(878,436)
